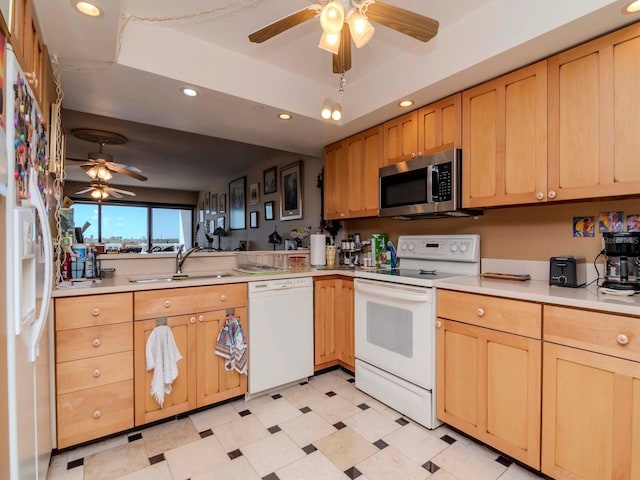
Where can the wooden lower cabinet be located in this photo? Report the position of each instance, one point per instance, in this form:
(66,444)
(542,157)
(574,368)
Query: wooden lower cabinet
(333,323)
(202,379)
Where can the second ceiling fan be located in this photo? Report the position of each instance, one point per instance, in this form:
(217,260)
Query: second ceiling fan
(344,20)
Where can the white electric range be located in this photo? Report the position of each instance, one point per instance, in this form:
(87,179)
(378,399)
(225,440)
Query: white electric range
(395,321)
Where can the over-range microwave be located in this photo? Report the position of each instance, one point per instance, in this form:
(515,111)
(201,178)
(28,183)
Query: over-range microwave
(428,186)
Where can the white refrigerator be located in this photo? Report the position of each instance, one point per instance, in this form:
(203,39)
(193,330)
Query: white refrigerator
(29,278)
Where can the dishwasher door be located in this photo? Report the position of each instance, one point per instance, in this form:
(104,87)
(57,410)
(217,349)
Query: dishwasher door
(280,332)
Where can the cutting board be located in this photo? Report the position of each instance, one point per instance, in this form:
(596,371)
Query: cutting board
(507,276)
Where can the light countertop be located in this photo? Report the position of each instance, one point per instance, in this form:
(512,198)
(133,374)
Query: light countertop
(541,291)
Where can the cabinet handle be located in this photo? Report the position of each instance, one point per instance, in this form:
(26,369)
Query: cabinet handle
(201,318)
(97,414)
(96,342)
(223,297)
(551,194)
(539,196)
(96,373)
(622,339)
(192,320)
(419,154)
(438,324)
(413,155)
(95,311)
(480,312)
(167,303)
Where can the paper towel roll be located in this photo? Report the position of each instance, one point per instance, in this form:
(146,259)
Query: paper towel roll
(317,253)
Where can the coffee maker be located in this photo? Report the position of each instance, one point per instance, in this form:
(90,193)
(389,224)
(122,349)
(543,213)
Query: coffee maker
(622,267)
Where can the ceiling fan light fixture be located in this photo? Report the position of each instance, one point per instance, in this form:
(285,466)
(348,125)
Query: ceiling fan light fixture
(332,17)
(360,27)
(99,194)
(100,172)
(330,42)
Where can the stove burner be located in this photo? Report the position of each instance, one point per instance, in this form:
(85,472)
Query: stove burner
(428,272)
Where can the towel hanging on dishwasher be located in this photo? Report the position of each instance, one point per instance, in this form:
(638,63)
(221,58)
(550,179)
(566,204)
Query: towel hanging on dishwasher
(162,357)
(231,345)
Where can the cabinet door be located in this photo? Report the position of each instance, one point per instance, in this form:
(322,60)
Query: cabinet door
(504,124)
(591,415)
(183,395)
(214,383)
(345,323)
(488,385)
(335,207)
(439,125)
(593,118)
(326,348)
(400,138)
(364,159)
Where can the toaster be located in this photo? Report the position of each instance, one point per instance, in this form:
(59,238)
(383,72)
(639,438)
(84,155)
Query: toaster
(567,271)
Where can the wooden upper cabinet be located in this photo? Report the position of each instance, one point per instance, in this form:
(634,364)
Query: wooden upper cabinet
(439,125)
(364,159)
(504,144)
(593,118)
(400,138)
(335,181)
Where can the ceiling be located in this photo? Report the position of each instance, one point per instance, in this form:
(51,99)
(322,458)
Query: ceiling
(124,72)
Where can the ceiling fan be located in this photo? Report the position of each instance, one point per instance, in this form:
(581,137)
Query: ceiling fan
(100,190)
(343,20)
(100,165)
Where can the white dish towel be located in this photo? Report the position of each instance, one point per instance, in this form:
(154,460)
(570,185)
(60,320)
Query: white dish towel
(162,357)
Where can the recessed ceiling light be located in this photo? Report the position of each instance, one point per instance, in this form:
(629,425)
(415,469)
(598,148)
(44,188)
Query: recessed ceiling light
(189,92)
(632,7)
(406,103)
(285,116)
(258,108)
(87,8)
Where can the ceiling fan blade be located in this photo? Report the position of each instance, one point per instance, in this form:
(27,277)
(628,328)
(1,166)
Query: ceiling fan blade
(413,24)
(284,24)
(342,61)
(84,190)
(77,159)
(118,190)
(113,193)
(129,170)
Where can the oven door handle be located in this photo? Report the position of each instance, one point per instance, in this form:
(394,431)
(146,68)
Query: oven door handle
(392,292)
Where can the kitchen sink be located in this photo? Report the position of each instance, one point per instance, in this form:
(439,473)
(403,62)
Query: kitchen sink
(178,278)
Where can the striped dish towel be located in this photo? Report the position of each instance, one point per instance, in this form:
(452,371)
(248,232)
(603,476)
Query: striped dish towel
(232,346)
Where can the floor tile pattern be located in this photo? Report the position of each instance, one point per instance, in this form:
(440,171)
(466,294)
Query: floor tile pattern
(321,429)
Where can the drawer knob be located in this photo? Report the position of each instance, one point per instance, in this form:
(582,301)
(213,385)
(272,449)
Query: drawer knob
(96,342)
(480,312)
(438,324)
(96,373)
(192,320)
(551,194)
(539,196)
(622,339)
(201,318)
(95,311)
(223,297)
(167,303)
(97,414)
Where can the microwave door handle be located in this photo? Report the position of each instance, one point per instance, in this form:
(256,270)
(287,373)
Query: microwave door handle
(433,183)
(430,184)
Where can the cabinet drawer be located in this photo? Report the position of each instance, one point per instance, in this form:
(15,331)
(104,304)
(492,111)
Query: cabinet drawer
(181,301)
(93,341)
(605,333)
(506,315)
(94,372)
(92,310)
(94,413)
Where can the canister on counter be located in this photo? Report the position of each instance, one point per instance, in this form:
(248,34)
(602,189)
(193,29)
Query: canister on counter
(379,249)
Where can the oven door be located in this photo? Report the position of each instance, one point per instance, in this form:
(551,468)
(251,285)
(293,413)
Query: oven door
(394,329)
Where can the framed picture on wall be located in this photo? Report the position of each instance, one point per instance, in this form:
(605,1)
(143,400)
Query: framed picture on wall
(222,203)
(220,222)
(253,193)
(207,206)
(291,192)
(268,210)
(270,180)
(214,203)
(253,219)
(237,212)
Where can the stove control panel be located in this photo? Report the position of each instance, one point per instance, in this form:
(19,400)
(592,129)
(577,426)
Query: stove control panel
(454,248)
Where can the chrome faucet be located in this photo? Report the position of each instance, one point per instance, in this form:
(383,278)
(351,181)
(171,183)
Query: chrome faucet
(182,257)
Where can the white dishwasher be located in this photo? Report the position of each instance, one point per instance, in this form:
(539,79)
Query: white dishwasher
(280,332)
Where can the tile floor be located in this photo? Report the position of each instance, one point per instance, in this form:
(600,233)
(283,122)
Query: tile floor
(321,429)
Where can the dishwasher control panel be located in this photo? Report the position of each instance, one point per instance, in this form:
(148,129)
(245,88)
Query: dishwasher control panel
(280,284)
